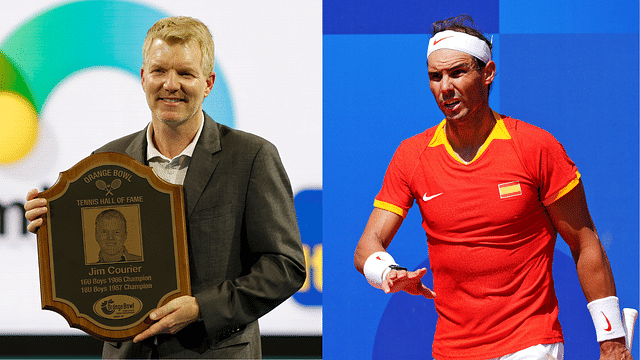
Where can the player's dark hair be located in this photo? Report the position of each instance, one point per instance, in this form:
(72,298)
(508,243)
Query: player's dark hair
(465,24)
(461,23)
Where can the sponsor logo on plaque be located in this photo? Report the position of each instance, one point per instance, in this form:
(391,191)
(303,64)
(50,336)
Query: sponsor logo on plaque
(117,306)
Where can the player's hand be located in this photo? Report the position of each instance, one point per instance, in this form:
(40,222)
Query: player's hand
(171,318)
(614,349)
(35,208)
(407,281)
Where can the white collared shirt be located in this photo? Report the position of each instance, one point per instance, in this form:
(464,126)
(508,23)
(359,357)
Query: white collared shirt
(171,170)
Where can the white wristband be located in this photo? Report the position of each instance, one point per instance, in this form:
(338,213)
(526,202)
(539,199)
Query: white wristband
(606,317)
(377,267)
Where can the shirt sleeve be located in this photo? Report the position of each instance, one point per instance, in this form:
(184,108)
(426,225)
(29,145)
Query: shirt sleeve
(396,195)
(556,172)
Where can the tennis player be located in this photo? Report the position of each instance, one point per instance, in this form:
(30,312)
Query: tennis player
(493,192)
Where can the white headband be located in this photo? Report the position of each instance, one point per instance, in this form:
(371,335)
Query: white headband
(455,40)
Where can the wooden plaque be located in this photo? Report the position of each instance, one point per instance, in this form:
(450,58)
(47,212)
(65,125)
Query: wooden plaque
(113,246)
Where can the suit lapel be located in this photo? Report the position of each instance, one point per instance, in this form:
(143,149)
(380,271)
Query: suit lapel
(205,158)
(137,149)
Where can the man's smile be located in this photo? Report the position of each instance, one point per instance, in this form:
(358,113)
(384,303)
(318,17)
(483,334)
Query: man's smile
(172,100)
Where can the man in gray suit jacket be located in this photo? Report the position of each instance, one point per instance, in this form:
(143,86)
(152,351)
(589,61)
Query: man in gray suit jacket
(244,244)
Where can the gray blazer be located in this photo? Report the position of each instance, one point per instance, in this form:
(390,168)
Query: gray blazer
(245,251)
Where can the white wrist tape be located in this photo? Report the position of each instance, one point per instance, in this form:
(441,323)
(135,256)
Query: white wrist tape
(376,268)
(606,317)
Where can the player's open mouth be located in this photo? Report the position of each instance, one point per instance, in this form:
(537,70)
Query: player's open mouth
(450,105)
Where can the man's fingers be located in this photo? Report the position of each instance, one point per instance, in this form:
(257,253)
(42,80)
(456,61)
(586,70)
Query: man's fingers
(392,275)
(388,283)
(170,319)
(396,274)
(428,293)
(163,311)
(385,288)
(34,225)
(31,194)
(143,335)
(182,306)
(409,281)
(35,218)
(156,314)
(35,204)
(153,330)
(418,273)
(35,213)
(159,327)
(34,209)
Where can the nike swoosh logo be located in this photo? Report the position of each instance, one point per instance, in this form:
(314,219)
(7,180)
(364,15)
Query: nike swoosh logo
(608,323)
(427,198)
(437,41)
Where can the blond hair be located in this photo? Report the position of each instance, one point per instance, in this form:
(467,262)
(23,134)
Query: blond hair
(182,29)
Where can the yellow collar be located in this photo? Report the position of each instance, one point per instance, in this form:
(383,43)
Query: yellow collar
(499,132)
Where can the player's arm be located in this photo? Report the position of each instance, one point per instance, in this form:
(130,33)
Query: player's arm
(571,218)
(380,230)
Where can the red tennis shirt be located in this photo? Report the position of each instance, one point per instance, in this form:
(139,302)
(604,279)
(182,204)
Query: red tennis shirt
(489,237)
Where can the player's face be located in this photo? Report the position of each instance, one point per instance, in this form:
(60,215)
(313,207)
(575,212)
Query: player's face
(174,82)
(111,234)
(458,86)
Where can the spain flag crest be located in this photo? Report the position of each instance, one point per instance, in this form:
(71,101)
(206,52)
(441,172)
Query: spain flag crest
(509,189)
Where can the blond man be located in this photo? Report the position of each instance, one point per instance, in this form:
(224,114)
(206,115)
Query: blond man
(244,244)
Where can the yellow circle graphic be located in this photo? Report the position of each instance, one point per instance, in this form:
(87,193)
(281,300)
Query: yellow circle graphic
(18,127)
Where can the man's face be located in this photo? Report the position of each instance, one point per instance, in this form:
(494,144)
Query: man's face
(174,82)
(458,86)
(111,233)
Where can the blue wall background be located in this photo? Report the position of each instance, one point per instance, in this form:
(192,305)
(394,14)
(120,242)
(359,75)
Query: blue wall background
(569,67)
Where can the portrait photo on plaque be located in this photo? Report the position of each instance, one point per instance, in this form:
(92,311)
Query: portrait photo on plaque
(112,234)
